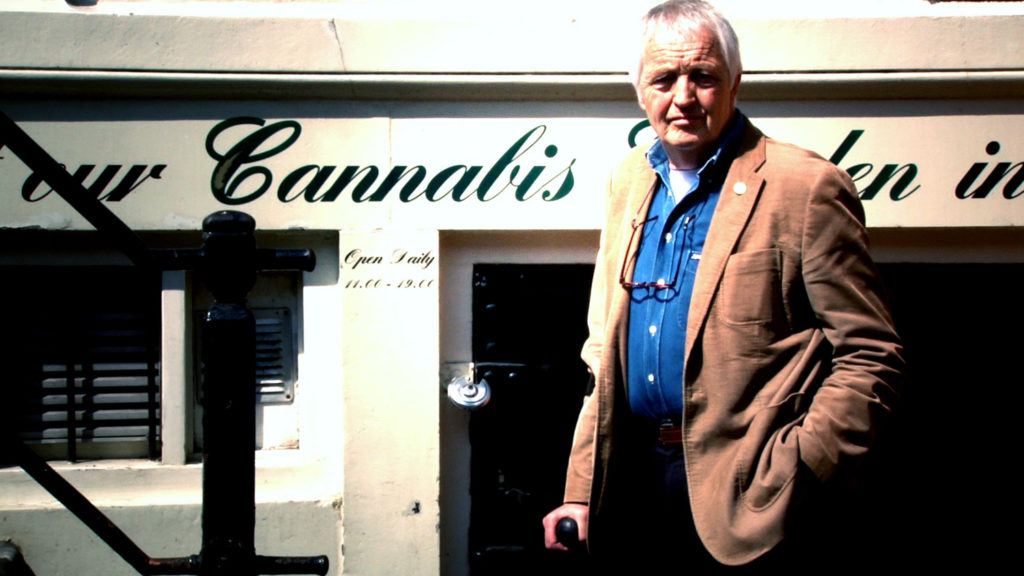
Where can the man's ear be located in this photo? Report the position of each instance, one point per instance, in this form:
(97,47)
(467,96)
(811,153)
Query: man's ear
(636,88)
(735,90)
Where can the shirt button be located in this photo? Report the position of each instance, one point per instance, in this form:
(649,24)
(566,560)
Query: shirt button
(668,237)
(653,329)
(650,377)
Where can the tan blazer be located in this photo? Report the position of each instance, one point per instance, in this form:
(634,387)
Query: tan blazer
(791,354)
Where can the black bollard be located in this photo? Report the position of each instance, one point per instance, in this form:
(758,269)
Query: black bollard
(229,396)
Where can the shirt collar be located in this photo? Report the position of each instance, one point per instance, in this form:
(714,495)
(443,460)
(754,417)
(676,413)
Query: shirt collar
(715,165)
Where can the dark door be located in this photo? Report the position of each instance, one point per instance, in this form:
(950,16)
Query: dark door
(931,495)
(529,324)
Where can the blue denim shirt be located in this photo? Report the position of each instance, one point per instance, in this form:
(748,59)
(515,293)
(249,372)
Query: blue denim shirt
(671,244)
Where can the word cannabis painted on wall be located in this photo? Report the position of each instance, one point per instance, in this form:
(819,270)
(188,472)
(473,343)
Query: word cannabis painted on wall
(240,178)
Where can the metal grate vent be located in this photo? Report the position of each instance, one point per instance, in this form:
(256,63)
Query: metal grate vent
(275,354)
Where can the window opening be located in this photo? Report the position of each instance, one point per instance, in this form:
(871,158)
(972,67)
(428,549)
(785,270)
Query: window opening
(82,345)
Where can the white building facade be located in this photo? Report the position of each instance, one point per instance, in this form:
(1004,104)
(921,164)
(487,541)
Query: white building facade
(408,144)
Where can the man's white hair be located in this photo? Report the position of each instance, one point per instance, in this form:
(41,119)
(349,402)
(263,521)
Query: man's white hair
(686,17)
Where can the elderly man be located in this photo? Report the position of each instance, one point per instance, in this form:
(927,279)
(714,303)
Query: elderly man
(742,351)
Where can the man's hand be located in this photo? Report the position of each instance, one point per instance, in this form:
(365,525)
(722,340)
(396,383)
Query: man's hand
(578,512)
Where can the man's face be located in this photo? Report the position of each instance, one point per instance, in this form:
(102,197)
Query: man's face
(685,89)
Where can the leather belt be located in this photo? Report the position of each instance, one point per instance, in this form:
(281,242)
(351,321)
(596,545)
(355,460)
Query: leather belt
(669,433)
(665,431)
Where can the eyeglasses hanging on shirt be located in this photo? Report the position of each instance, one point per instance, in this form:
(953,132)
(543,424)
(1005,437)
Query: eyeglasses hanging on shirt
(627,263)
(638,223)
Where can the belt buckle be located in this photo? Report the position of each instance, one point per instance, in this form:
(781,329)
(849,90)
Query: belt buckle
(670,433)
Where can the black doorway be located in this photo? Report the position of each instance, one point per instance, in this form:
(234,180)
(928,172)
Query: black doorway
(939,487)
(529,324)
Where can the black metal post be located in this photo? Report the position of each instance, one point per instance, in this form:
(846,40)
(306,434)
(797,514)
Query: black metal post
(229,396)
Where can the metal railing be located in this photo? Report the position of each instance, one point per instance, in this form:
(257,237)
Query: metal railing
(227,262)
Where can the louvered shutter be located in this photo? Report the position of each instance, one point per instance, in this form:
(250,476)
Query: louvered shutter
(83,346)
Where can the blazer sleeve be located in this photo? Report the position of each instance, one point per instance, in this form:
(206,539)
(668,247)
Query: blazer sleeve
(582,458)
(848,300)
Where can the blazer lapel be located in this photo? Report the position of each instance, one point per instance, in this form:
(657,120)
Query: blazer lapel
(638,200)
(739,195)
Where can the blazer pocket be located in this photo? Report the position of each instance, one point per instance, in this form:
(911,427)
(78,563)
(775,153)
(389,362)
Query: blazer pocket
(771,460)
(752,287)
